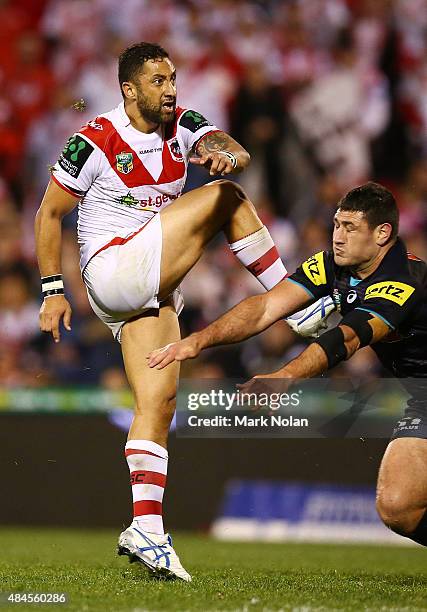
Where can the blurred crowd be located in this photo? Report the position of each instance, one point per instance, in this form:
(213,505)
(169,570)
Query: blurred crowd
(325,94)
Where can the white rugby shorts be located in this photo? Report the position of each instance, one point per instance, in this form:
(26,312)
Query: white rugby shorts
(122,279)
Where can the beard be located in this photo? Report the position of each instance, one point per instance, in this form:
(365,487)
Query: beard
(151,112)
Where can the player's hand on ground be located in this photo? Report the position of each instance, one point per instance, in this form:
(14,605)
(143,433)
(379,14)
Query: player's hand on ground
(177,351)
(216,163)
(52,310)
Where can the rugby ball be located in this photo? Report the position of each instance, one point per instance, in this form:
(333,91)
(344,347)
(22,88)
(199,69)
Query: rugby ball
(312,320)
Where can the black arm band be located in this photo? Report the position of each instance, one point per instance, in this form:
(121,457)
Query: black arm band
(358,320)
(332,342)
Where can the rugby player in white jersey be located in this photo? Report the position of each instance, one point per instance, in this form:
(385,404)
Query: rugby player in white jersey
(138,239)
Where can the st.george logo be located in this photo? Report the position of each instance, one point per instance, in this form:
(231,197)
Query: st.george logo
(175,150)
(124,162)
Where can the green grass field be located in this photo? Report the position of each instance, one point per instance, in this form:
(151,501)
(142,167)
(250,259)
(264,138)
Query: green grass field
(226,576)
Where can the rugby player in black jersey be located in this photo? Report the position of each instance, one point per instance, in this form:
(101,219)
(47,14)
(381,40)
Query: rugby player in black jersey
(382,296)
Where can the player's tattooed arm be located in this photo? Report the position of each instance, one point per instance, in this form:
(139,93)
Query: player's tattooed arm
(220,154)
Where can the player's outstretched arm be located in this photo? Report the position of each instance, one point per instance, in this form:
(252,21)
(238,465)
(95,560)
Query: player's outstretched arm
(55,205)
(356,330)
(220,154)
(247,319)
(331,348)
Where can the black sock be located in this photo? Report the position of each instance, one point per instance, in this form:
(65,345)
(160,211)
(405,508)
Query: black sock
(420,533)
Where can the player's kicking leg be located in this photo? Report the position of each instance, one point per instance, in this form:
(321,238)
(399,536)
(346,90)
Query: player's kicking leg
(196,217)
(402,488)
(187,226)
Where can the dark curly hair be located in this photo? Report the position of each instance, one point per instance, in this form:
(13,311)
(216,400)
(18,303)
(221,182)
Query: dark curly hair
(377,204)
(133,58)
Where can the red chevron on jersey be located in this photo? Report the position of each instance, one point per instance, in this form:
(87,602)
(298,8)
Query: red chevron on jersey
(100,134)
(139,174)
(112,144)
(125,177)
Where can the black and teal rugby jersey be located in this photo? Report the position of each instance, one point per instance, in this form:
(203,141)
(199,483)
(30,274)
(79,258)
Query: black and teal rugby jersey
(396,292)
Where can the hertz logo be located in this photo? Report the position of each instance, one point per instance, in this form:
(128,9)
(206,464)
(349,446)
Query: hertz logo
(396,292)
(314,269)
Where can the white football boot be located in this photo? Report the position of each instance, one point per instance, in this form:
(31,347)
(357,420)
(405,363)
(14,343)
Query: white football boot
(154,551)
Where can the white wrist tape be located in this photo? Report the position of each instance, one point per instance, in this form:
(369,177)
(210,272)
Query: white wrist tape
(52,285)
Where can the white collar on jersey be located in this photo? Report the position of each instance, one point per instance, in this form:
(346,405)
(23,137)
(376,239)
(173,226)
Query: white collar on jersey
(124,119)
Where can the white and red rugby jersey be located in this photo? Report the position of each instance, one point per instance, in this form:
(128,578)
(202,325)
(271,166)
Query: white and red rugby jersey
(123,176)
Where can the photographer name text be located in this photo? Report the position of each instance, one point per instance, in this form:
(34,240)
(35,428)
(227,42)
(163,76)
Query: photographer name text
(273,420)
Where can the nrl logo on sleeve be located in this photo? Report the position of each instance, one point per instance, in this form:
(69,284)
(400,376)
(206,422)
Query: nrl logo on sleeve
(124,162)
(396,292)
(314,269)
(175,150)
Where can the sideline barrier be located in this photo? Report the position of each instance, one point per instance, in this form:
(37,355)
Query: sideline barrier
(296,511)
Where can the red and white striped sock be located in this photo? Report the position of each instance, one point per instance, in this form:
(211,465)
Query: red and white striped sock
(258,253)
(148,466)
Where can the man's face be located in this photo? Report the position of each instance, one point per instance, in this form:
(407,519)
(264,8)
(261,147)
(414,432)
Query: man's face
(156,91)
(353,241)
